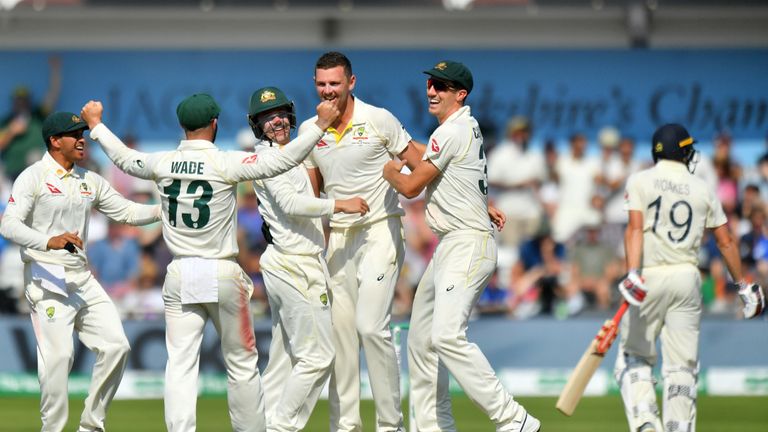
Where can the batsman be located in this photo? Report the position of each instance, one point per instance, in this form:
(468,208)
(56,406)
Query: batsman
(669,209)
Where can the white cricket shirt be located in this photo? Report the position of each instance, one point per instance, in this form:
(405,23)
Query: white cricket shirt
(351,162)
(288,204)
(197,184)
(677,206)
(458,198)
(47,200)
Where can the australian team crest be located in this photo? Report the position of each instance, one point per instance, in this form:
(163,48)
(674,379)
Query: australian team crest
(50,311)
(360,133)
(441,66)
(85,190)
(324,299)
(267,95)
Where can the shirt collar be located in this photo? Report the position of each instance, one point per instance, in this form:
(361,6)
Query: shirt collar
(464,110)
(59,171)
(669,165)
(196,144)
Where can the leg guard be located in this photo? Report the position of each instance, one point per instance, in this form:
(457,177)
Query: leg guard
(680,398)
(636,382)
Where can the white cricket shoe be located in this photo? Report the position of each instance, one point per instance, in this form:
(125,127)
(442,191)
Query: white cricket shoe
(646,427)
(528,423)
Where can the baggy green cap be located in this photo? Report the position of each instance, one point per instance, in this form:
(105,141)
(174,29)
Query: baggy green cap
(454,72)
(197,111)
(60,123)
(265,99)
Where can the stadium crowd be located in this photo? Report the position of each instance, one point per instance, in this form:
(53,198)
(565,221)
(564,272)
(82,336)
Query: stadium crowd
(560,254)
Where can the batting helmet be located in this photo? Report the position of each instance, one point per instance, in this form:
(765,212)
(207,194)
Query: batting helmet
(673,142)
(266,99)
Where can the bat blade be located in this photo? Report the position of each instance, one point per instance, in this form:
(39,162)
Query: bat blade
(588,364)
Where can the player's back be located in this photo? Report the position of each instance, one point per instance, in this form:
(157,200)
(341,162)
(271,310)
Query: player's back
(199,201)
(677,206)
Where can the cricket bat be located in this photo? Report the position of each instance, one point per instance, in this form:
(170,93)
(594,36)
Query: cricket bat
(590,361)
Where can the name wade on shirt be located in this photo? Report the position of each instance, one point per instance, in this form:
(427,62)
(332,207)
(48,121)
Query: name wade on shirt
(187,167)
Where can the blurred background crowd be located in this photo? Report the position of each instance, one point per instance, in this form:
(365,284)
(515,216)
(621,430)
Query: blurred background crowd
(561,252)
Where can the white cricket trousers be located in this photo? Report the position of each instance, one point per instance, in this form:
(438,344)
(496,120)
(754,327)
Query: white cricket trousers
(671,312)
(364,264)
(301,353)
(461,266)
(89,311)
(184,324)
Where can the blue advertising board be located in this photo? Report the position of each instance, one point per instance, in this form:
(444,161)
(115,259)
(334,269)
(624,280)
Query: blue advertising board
(562,91)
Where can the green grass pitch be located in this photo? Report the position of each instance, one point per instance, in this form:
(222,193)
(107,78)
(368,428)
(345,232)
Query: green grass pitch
(594,414)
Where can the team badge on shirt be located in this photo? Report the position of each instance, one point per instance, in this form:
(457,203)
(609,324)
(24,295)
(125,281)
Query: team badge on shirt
(50,311)
(250,159)
(53,189)
(322,144)
(11,200)
(85,190)
(359,133)
(435,146)
(324,299)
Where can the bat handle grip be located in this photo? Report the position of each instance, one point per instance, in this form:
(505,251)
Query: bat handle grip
(620,313)
(604,342)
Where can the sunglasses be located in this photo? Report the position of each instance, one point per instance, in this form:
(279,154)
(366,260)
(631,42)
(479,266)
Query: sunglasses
(440,85)
(76,134)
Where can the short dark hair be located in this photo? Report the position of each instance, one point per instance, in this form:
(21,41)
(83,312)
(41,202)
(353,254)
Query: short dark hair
(332,59)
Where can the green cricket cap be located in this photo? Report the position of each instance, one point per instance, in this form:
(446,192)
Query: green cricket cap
(60,123)
(454,72)
(197,111)
(265,99)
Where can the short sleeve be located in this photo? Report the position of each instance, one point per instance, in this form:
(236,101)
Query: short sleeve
(441,148)
(395,136)
(632,195)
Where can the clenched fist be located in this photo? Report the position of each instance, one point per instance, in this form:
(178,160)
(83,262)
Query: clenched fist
(91,113)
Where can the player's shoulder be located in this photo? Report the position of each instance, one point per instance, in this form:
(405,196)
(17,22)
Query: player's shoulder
(32,173)
(307,123)
(373,113)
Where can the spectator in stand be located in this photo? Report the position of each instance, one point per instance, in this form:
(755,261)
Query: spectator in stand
(576,173)
(535,278)
(613,180)
(146,301)
(594,271)
(21,129)
(749,241)
(549,194)
(115,260)
(515,172)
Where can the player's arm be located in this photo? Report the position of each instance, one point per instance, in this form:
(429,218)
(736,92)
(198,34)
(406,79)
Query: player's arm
(130,161)
(19,207)
(633,287)
(412,154)
(729,249)
(293,203)
(270,164)
(410,185)
(116,207)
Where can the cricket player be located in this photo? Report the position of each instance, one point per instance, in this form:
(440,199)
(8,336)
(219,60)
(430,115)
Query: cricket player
(197,185)
(365,252)
(669,209)
(47,215)
(453,171)
(301,353)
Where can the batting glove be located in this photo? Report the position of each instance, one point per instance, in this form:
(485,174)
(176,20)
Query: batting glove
(753,298)
(633,288)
